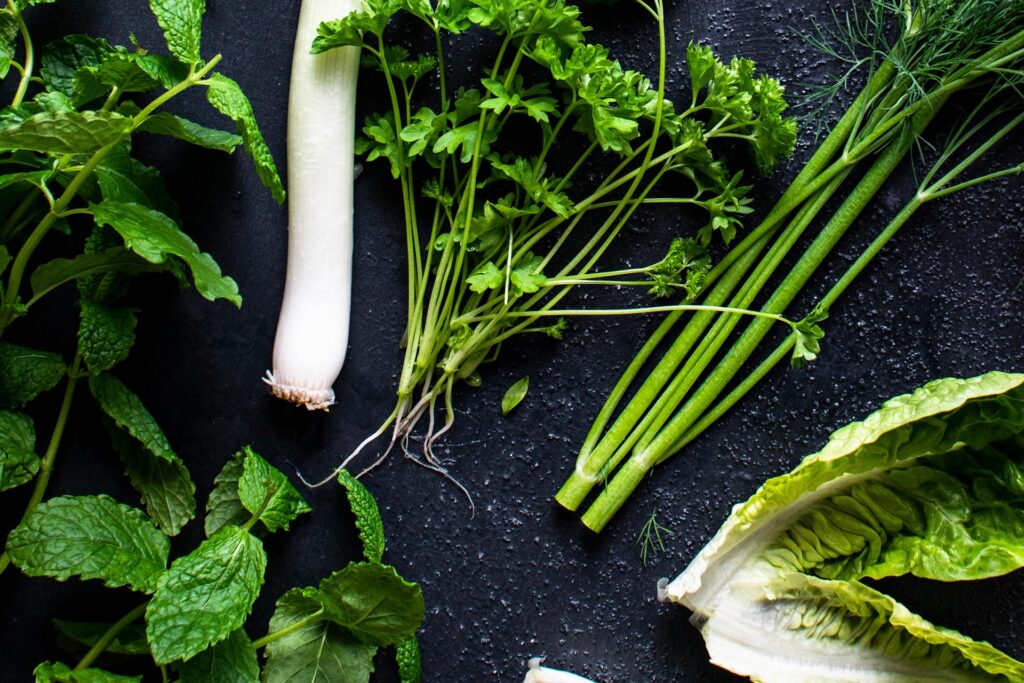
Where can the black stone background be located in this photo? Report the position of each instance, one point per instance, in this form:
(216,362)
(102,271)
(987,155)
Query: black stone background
(521,578)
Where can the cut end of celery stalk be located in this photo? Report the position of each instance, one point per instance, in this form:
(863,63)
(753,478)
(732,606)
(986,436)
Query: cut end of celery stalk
(308,398)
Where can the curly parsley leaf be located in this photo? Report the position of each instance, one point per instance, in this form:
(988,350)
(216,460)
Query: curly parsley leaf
(92,537)
(205,595)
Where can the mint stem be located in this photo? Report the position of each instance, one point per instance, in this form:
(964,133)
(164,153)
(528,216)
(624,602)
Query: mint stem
(100,646)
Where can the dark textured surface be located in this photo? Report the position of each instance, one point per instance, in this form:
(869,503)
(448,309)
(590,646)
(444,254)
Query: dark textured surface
(521,578)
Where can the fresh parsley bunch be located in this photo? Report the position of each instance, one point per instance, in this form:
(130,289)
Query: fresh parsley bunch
(196,607)
(503,213)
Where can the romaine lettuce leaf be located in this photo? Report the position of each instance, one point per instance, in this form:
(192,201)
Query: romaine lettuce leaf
(932,485)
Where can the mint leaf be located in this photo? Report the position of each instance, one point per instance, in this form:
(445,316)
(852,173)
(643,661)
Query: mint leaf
(266,492)
(52,274)
(63,57)
(232,660)
(515,394)
(118,70)
(316,652)
(410,665)
(154,236)
(164,123)
(164,485)
(92,537)
(127,411)
(367,514)
(227,97)
(8,40)
(18,461)
(67,132)
(182,22)
(377,605)
(56,672)
(205,595)
(123,178)
(224,507)
(106,334)
(130,640)
(25,373)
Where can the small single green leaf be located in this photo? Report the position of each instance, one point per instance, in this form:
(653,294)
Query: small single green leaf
(25,373)
(227,97)
(92,537)
(8,40)
(232,660)
(377,605)
(410,665)
(66,132)
(127,411)
(154,236)
(164,123)
(130,640)
(56,672)
(18,460)
(515,394)
(182,22)
(317,651)
(52,274)
(164,485)
(224,507)
(808,335)
(367,514)
(106,334)
(63,57)
(265,491)
(205,595)
(485,277)
(123,178)
(526,277)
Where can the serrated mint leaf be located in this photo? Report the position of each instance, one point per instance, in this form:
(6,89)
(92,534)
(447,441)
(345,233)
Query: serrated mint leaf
(8,40)
(19,463)
(367,514)
(410,665)
(316,652)
(227,97)
(167,71)
(52,274)
(371,600)
(25,373)
(63,57)
(127,411)
(224,507)
(130,640)
(56,672)
(232,660)
(106,334)
(515,394)
(265,491)
(118,70)
(164,123)
(205,595)
(123,178)
(182,22)
(154,236)
(165,485)
(68,132)
(92,537)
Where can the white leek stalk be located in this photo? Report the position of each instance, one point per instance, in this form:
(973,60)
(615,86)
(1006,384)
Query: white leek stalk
(542,674)
(312,330)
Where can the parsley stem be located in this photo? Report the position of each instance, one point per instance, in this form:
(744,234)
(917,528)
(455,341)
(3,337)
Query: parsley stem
(289,629)
(100,646)
(46,465)
(26,68)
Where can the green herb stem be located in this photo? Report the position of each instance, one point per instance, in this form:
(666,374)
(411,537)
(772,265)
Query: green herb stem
(50,456)
(289,629)
(100,646)
(29,65)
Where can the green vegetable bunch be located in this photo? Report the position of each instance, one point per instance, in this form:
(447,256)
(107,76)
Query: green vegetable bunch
(514,189)
(68,176)
(196,607)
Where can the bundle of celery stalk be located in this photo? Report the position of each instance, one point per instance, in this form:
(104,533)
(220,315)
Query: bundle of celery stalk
(919,58)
